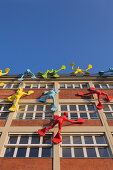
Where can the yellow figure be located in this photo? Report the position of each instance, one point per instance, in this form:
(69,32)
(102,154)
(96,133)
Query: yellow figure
(16,98)
(1,74)
(78,70)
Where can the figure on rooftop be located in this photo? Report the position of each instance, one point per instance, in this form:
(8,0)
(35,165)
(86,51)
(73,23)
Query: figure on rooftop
(58,120)
(50,94)
(80,71)
(52,72)
(1,74)
(16,98)
(109,70)
(27,73)
(99,93)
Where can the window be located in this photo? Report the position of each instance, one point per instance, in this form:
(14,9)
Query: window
(84,145)
(34,112)
(9,86)
(4,112)
(108,110)
(103,86)
(29,145)
(38,86)
(73,86)
(86,111)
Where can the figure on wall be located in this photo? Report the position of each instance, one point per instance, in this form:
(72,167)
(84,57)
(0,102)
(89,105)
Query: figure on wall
(52,72)
(99,93)
(1,74)
(80,71)
(27,73)
(109,70)
(50,94)
(58,120)
(16,98)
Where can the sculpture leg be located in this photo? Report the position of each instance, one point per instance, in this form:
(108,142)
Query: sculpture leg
(99,106)
(57,138)
(14,107)
(108,98)
(42,132)
(43,99)
(54,107)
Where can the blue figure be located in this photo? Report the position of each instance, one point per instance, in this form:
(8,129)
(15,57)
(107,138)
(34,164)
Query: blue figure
(26,73)
(109,70)
(50,94)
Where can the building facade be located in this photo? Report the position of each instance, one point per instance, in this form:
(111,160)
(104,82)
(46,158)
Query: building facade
(87,146)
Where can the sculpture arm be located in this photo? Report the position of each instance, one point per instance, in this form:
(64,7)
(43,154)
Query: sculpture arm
(71,121)
(82,94)
(28,93)
(46,92)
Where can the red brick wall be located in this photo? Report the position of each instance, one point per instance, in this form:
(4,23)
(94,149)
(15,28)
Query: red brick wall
(25,164)
(86,164)
(72,94)
(110,122)
(2,123)
(47,123)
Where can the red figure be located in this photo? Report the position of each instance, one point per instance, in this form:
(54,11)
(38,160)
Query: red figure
(58,120)
(99,93)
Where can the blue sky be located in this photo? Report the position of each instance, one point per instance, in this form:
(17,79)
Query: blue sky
(45,34)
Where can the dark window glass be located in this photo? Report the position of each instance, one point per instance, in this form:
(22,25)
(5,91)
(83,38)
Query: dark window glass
(35,86)
(88,139)
(19,116)
(65,140)
(62,86)
(6,107)
(63,107)
(91,152)
(40,108)
(74,115)
(90,107)
(15,86)
(29,115)
(77,140)
(94,115)
(12,140)
(97,86)
(72,107)
(21,152)
(111,86)
(77,86)
(22,107)
(35,140)
(84,86)
(46,152)
(48,107)
(69,86)
(104,86)
(111,106)
(83,115)
(104,152)
(9,152)
(33,152)
(4,115)
(82,108)
(100,139)
(79,152)
(30,108)
(23,140)
(42,86)
(106,108)
(38,116)
(27,86)
(48,115)
(109,115)
(66,152)
(47,139)
(8,86)
(49,86)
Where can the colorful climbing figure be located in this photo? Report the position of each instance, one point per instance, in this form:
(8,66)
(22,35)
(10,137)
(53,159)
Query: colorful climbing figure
(50,94)
(80,71)
(1,74)
(109,70)
(16,98)
(27,73)
(58,120)
(99,93)
(52,72)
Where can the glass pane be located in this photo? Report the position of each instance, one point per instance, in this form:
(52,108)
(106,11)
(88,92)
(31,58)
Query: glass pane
(109,115)
(84,86)
(35,86)
(91,152)
(4,115)
(94,115)
(48,115)
(48,107)
(63,107)
(65,140)
(111,106)
(12,140)
(82,108)
(97,86)
(46,152)
(104,152)
(21,152)
(9,152)
(23,140)
(29,115)
(62,86)
(79,152)
(47,139)
(38,116)
(39,107)
(83,115)
(27,86)
(90,107)
(50,86)
(19,116)
(74,115)
(8,86)
(35,140)
(72,108)
(88,139)
(22,107)
(30,108)
(66,152)
(42,86)
(33,152)
(77,140)
(100,139)
(6,107)
(77,86)
(111,86)
(15,86)
(106,108)
(104,86)
(69,86)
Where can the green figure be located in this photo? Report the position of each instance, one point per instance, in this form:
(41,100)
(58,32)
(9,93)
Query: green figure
(52,72)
